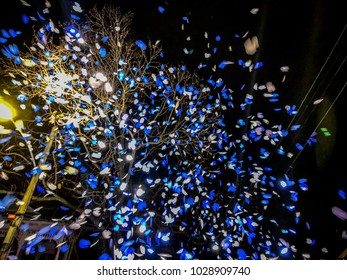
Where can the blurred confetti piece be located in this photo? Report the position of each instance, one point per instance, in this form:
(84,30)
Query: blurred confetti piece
(325,131)
(254,11)
(251,45)
(25,3)
(338,212)
(224,63)
(284,69)
(342,194)
(270,87)
(161,9)
(317,101)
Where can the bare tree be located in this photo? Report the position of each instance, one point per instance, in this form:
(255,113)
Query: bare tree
(135,135)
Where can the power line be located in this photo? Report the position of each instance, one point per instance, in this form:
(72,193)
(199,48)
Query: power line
(311,87)
(319,123)
(317,76)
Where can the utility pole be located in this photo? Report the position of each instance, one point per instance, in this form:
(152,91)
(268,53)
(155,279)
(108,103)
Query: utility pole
(17,221)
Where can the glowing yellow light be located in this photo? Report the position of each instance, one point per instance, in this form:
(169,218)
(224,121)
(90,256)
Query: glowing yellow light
(6,111)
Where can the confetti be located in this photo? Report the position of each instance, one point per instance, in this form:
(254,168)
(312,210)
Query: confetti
(144,146)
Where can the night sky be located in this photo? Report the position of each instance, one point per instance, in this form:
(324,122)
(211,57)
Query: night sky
(299,34)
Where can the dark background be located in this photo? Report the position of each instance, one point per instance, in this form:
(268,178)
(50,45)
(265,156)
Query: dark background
(308,36)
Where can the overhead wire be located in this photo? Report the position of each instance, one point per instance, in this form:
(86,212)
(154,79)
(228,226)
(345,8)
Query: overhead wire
(313,97)
(308,93)
(317,126)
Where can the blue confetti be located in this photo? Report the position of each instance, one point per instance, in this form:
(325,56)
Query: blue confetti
(141,45)
(102,52)
(161,9)
(84,243)
(25,19)
(342,194)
